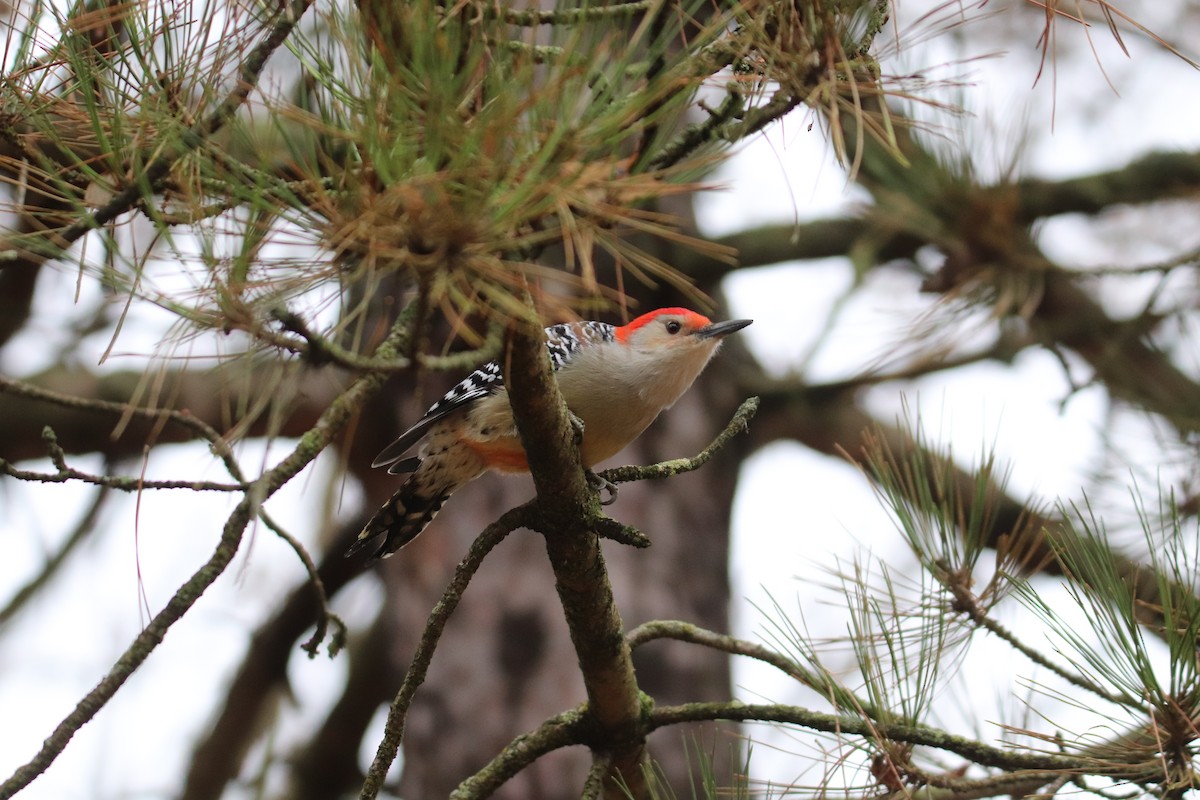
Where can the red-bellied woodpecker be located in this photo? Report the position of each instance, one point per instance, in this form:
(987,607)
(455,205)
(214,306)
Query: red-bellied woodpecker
(615,380)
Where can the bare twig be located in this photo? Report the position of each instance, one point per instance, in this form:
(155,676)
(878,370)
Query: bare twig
(694,634)
(125,483)
(677,466)
(325,614)
(219,445)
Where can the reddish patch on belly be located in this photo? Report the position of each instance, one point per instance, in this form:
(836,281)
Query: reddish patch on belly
(502,455)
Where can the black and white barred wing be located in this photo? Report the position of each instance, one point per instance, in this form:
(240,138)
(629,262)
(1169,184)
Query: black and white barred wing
(562,341)
(480,383)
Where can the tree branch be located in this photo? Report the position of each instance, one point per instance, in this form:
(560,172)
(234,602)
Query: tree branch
(844,724)
(566,513)
(823,684)
(124,483)
(1150,179)
(78,401)
(561,730)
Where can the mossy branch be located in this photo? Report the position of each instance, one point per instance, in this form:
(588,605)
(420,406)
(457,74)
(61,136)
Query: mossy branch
(694,634)
(561,730)
(846,724)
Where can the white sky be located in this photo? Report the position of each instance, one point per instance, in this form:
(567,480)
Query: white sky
(808,512)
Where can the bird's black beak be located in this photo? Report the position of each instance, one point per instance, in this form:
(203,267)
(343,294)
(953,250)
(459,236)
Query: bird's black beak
(718,330)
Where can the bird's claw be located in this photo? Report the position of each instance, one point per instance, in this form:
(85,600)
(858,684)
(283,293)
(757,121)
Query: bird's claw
(600,485)
(577,427)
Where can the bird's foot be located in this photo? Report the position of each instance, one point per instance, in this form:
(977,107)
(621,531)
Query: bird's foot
(601,486)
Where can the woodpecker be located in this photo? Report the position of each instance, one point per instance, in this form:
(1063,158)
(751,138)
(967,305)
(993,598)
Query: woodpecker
(615,380)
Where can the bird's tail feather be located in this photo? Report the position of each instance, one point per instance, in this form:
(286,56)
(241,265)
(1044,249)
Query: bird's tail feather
(400,520)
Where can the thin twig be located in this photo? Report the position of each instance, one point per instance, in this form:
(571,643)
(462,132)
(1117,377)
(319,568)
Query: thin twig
(66,473)
(666,469)
(325,614)
(125,483)
(1185,259)
(220,447)
(321,350)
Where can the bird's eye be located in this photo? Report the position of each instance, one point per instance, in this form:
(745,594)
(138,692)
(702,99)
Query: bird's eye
(673,327)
